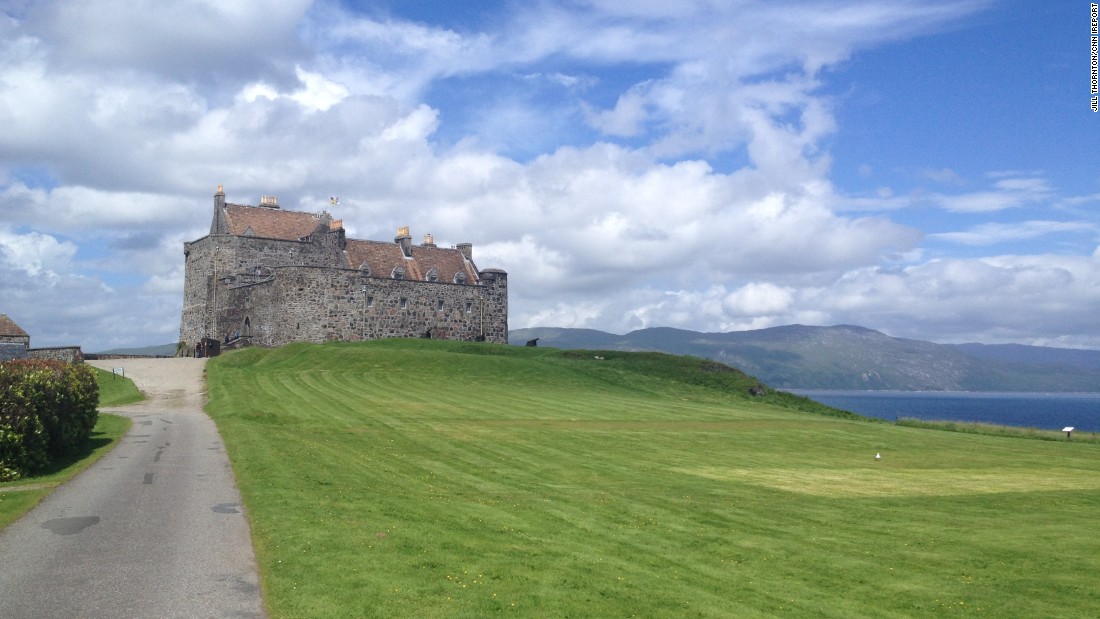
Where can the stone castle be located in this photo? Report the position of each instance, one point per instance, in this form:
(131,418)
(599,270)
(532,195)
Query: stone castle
(266,276)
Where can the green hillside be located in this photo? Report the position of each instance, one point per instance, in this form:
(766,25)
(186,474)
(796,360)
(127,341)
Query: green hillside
(439,479)
(850,357)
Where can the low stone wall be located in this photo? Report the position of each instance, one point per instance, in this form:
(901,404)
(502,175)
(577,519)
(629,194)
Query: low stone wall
(68,354)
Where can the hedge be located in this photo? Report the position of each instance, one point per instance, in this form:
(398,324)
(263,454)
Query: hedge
(47,410)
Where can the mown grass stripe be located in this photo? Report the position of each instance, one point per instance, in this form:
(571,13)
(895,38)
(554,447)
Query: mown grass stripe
(487,487)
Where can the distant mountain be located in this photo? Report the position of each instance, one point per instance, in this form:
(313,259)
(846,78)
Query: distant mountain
(1018,353)
(850,357)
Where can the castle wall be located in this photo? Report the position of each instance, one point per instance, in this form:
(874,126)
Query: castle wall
(320,304)
(236,260)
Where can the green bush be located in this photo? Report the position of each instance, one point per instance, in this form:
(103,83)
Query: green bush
(47,409)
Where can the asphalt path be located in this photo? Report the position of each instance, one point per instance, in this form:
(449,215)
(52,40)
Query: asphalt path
(155,529)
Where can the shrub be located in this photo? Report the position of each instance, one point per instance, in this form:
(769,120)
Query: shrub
(47,409)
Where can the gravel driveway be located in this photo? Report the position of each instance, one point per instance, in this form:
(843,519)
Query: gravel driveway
(154,529)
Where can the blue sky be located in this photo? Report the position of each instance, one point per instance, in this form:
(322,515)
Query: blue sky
(927,169)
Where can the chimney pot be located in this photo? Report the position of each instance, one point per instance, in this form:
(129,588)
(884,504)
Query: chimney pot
(404,239)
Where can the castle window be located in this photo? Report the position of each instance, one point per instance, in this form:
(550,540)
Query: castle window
(440,305)
(460,278)
(469,306)
(370,301)
(364,270)
(398,273)
(404,303)
(433,275)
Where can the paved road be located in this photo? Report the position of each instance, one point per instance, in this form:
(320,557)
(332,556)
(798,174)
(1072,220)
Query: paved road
(155,529)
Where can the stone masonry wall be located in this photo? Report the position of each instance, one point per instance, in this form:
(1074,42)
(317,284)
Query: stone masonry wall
(239,260)
(68,354)
(321,304)
(9,351)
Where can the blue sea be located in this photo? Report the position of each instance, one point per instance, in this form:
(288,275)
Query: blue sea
(1047,411)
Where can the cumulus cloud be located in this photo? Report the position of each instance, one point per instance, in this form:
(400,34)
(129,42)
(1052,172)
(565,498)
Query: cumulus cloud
(618,216)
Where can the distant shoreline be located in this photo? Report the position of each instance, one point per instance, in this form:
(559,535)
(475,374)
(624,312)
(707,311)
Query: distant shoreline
(1041,410)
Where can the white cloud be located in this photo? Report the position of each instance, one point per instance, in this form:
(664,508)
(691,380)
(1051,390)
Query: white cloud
(758,299)
(1009,192)
(35,255)
(132,134)
(994,233)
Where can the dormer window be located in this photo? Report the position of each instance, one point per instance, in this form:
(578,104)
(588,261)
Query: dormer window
(249,231)
(398,273)
(364,270)
(460,278)
(432,276)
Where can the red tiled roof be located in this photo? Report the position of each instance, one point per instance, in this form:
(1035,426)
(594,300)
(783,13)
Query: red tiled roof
(382,258)
(270,223)
(9,328)
(447,262)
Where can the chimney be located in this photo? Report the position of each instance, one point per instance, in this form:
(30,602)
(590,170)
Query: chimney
(336,224)
(429,241)
(218,224)
(467,250)
(404,239)
(269,201)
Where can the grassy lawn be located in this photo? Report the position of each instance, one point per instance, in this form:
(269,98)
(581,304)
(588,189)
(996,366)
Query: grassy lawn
(18,497)
(440,479)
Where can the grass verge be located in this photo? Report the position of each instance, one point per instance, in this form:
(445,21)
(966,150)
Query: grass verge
(439,479)
(116,390)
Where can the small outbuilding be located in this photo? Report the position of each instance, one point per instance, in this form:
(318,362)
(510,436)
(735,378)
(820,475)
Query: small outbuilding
(14,341)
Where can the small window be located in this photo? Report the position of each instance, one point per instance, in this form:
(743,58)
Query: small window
(370,301)
(404,303)
(439,306)
(469,306)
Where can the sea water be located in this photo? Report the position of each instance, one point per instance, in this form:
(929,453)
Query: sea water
(1047,411)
